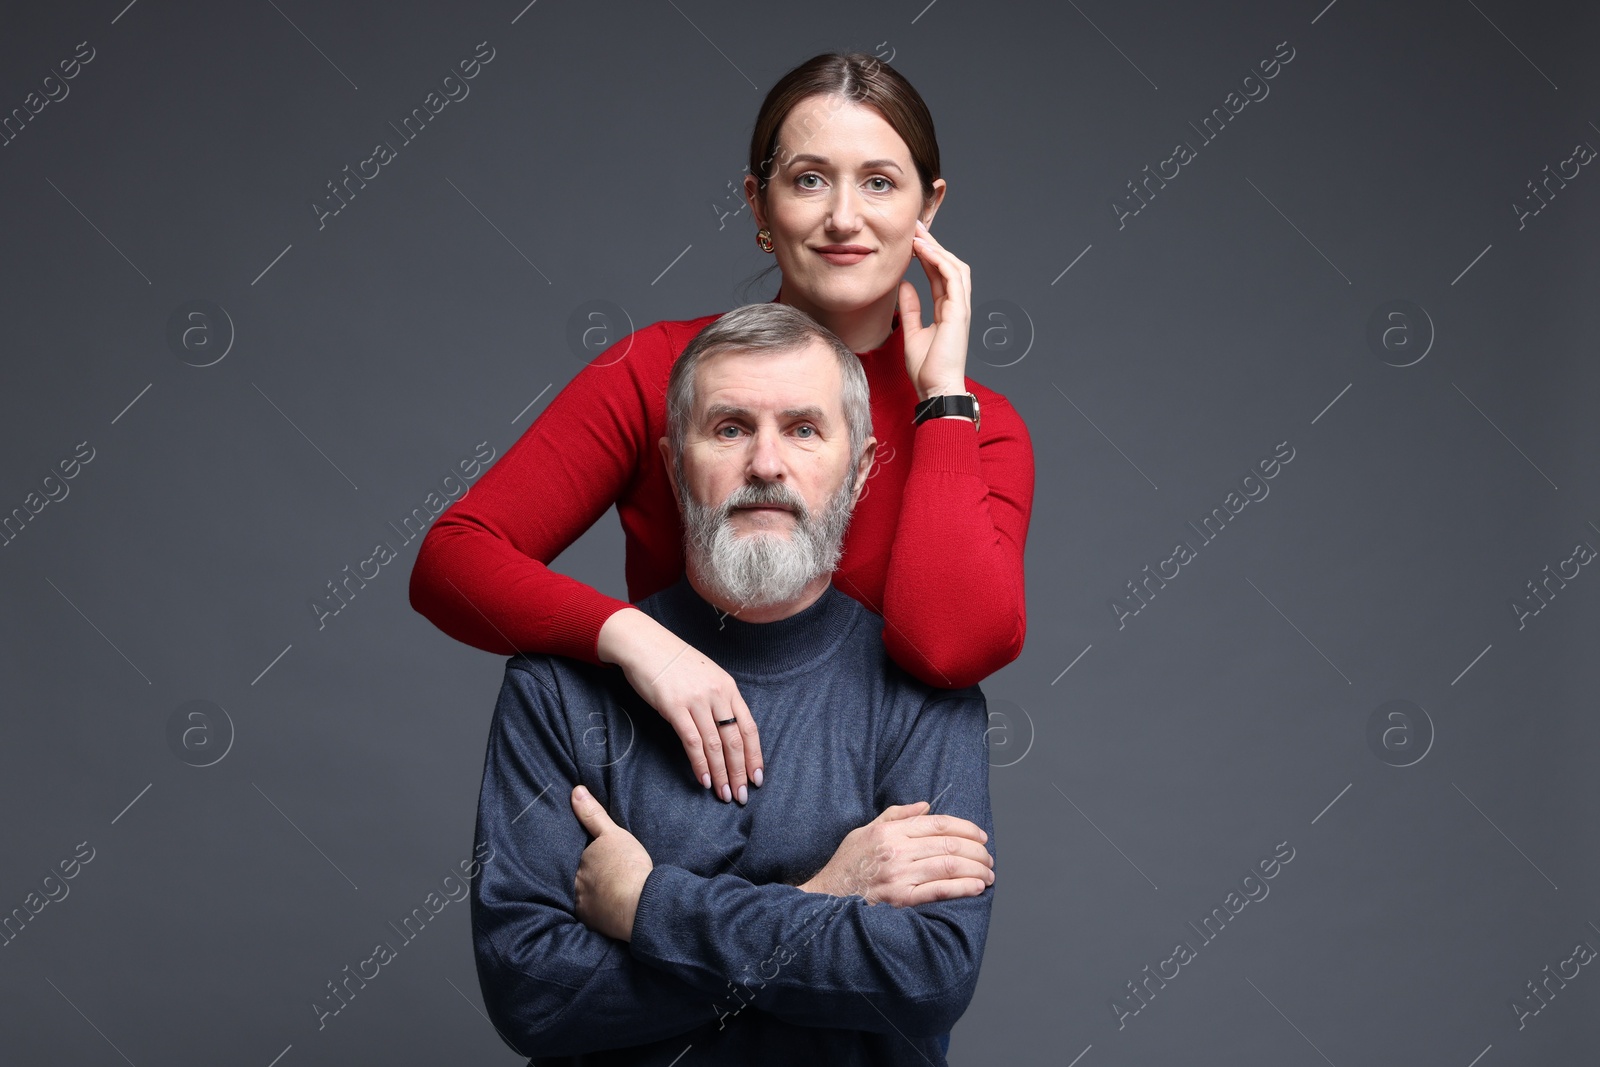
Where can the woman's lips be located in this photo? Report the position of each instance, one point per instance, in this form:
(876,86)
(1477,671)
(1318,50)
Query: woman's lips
(843,258)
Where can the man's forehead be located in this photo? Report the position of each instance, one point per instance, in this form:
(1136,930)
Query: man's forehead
(801,377)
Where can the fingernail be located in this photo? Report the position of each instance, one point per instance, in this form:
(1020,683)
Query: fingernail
(705,781)
(756,776)
(727,794)
(744,795)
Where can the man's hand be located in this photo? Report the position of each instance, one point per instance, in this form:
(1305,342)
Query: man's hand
(611,872)
(904,857)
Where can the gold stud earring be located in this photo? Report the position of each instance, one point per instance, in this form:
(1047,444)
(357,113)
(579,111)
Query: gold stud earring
(764,239)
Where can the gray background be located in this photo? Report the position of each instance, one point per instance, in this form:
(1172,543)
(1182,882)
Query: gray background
(1131,791)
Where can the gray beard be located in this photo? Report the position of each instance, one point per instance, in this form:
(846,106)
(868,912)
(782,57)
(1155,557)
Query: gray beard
(759,570)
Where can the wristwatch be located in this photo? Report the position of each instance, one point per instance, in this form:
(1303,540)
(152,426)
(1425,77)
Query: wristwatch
(963,404)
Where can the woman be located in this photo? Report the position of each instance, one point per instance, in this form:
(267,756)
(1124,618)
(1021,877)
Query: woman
(844,181)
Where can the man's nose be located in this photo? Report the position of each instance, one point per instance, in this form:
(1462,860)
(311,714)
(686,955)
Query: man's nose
(766,455)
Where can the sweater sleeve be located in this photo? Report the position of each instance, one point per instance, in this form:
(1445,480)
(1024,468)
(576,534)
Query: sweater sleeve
(953,600)
(818,960)
(482,575)
(552,986)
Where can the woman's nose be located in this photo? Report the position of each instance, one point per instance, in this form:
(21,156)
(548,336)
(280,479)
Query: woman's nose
(844,215)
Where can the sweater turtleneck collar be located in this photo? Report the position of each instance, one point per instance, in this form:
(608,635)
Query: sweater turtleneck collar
(892,345)
(755,650)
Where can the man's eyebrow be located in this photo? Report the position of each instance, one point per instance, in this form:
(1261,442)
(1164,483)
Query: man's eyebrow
(871,164)
(719,411)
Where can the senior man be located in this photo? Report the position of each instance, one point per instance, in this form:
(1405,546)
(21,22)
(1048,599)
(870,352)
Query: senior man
(839,916)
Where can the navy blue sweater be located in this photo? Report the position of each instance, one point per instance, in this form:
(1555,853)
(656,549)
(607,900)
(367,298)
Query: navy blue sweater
(727,956)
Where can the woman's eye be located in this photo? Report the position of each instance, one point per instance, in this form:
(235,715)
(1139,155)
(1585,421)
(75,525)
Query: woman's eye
(801,181)
(885,187)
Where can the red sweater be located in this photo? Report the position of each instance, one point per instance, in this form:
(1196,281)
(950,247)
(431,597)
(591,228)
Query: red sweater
(934,545)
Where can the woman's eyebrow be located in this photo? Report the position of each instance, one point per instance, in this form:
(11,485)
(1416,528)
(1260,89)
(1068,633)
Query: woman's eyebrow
(871,164)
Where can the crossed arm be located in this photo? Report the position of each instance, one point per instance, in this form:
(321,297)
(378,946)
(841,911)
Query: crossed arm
(701,949)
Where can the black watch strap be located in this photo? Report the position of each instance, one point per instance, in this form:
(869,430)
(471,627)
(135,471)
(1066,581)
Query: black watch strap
(963,404)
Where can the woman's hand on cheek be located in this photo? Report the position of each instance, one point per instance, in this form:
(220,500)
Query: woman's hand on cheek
(936,355)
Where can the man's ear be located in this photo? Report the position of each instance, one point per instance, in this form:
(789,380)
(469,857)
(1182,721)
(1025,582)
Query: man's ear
(864,468)
(666,458)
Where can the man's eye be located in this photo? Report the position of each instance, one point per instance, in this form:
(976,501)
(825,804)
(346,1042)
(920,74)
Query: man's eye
(807,431)
(728,433)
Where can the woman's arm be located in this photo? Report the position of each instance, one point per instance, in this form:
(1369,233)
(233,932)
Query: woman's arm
(954,602)
(482,573)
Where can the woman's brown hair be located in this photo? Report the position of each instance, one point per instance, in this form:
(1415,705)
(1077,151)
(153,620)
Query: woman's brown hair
(860,79)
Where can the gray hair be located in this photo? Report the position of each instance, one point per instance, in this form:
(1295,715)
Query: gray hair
(765,327)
